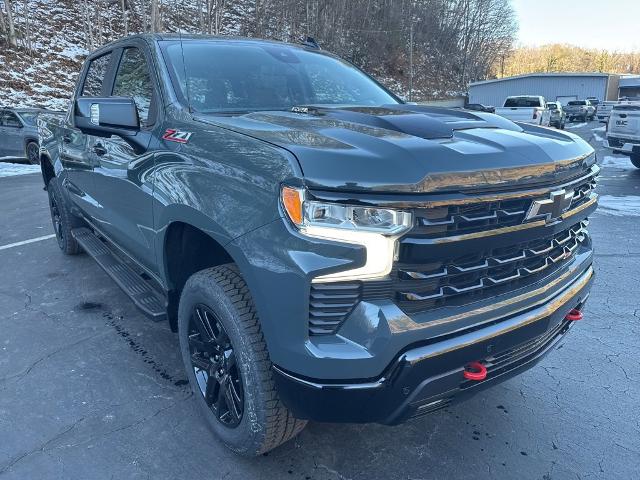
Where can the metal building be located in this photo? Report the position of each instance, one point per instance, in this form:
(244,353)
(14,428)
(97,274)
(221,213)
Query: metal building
(553,86)
(630,86)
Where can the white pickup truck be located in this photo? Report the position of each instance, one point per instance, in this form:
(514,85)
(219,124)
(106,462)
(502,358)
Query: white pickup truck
(623,130)
(527,109)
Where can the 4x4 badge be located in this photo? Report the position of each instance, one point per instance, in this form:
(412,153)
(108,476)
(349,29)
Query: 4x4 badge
(551,208)
(174,135)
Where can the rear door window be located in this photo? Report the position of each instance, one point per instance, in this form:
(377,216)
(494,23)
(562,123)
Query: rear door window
(9,119)
(95,76)
(134,81)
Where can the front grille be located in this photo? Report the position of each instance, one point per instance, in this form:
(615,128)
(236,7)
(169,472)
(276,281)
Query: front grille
(460,280)
(447,221)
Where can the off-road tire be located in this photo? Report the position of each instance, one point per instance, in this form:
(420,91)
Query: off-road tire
(635,159)
(63,220)
(266,422)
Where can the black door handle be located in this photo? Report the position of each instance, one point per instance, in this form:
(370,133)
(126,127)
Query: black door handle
(99,149)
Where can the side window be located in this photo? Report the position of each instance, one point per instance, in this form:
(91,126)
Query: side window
(133,80)
(95,76)
(9,119)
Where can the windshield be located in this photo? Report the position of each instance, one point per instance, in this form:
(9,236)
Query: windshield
(577,102)
(552,106)
(522,102)
(242,77)
(30,118)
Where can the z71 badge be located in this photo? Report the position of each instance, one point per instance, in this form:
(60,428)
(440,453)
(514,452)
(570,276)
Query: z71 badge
(174,135)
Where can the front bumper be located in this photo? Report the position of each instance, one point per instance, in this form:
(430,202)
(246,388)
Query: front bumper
(429,377)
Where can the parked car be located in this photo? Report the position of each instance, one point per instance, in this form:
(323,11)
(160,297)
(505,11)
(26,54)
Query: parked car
(558,117)
(478,107)
(19,134)
(604,109)
(623,130)
(526,109)
(324,251)
(581,110)
(594,101)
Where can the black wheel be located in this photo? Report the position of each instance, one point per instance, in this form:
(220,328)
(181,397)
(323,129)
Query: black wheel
(562,126)
(635,159)
(33,153)
(63,220)
(228,364)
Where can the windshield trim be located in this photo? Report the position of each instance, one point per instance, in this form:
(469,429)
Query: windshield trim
(175,83)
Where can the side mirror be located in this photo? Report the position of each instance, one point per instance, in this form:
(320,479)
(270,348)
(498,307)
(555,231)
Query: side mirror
(104,117)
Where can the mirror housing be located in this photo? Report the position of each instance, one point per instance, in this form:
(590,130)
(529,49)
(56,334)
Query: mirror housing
(104,117)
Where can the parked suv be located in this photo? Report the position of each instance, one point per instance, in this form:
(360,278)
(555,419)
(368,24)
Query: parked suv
(324,251)
(558,117)
(19,134)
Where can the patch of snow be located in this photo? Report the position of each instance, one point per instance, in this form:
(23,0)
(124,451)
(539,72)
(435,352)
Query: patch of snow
(619,206)
(13,169)
(621,163)
(576,125)
(598,137)
(599,129)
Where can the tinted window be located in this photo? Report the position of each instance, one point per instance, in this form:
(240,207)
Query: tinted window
(242,77)
(95,76)
(577,102)
(552,106)
(522,102)
(30,118)
(133,80)
(9,119)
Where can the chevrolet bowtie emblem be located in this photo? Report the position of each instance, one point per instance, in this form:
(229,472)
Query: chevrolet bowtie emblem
(550,208)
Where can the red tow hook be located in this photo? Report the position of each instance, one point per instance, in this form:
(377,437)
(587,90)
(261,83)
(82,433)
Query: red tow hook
(574,315)
(475,371)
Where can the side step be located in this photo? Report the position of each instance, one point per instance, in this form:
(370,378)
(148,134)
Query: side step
(144,295)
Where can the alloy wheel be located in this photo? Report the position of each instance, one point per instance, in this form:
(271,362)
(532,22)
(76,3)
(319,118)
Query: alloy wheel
(213,360)
(33,154)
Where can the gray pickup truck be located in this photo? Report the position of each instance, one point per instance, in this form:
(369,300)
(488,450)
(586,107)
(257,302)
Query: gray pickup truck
(324,251)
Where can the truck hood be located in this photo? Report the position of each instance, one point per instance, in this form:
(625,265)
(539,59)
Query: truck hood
(415,149)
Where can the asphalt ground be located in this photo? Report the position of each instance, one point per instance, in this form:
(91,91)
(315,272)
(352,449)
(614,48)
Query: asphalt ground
(92,389)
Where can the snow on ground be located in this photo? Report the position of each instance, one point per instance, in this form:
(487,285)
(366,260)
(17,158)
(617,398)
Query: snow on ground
(599,129)
(576,125)
(628,206)
(620,163)
(13,169)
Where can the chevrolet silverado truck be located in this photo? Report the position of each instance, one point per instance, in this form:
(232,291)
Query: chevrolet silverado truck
(323,250)
(526,109)
(623,131)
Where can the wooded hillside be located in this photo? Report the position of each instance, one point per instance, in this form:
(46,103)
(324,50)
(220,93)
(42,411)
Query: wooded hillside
(566,58)
(452,42)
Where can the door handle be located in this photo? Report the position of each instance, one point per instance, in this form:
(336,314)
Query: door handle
(99,149)
(66,138)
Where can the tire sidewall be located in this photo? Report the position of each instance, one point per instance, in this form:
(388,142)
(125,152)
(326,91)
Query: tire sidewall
(247,436)
(67,243)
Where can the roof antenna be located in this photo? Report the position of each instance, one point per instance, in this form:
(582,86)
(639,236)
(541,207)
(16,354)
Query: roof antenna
(311,43)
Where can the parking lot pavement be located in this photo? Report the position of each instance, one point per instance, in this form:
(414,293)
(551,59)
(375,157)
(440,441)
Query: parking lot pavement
(89,388)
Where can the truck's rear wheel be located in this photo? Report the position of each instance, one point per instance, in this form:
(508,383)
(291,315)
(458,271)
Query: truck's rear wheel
(228,364)
(63,220)
(635,159)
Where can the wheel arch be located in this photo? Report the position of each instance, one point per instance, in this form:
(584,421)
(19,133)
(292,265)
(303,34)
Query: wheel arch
(46,167)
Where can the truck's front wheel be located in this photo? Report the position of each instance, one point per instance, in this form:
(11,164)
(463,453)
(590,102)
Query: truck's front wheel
(228,364)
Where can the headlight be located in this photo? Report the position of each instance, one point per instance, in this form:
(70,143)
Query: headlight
(375,228)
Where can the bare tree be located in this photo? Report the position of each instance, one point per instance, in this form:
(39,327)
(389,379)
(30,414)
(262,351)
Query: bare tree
(11,30)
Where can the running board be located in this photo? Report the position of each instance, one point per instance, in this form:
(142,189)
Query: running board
(144,295)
